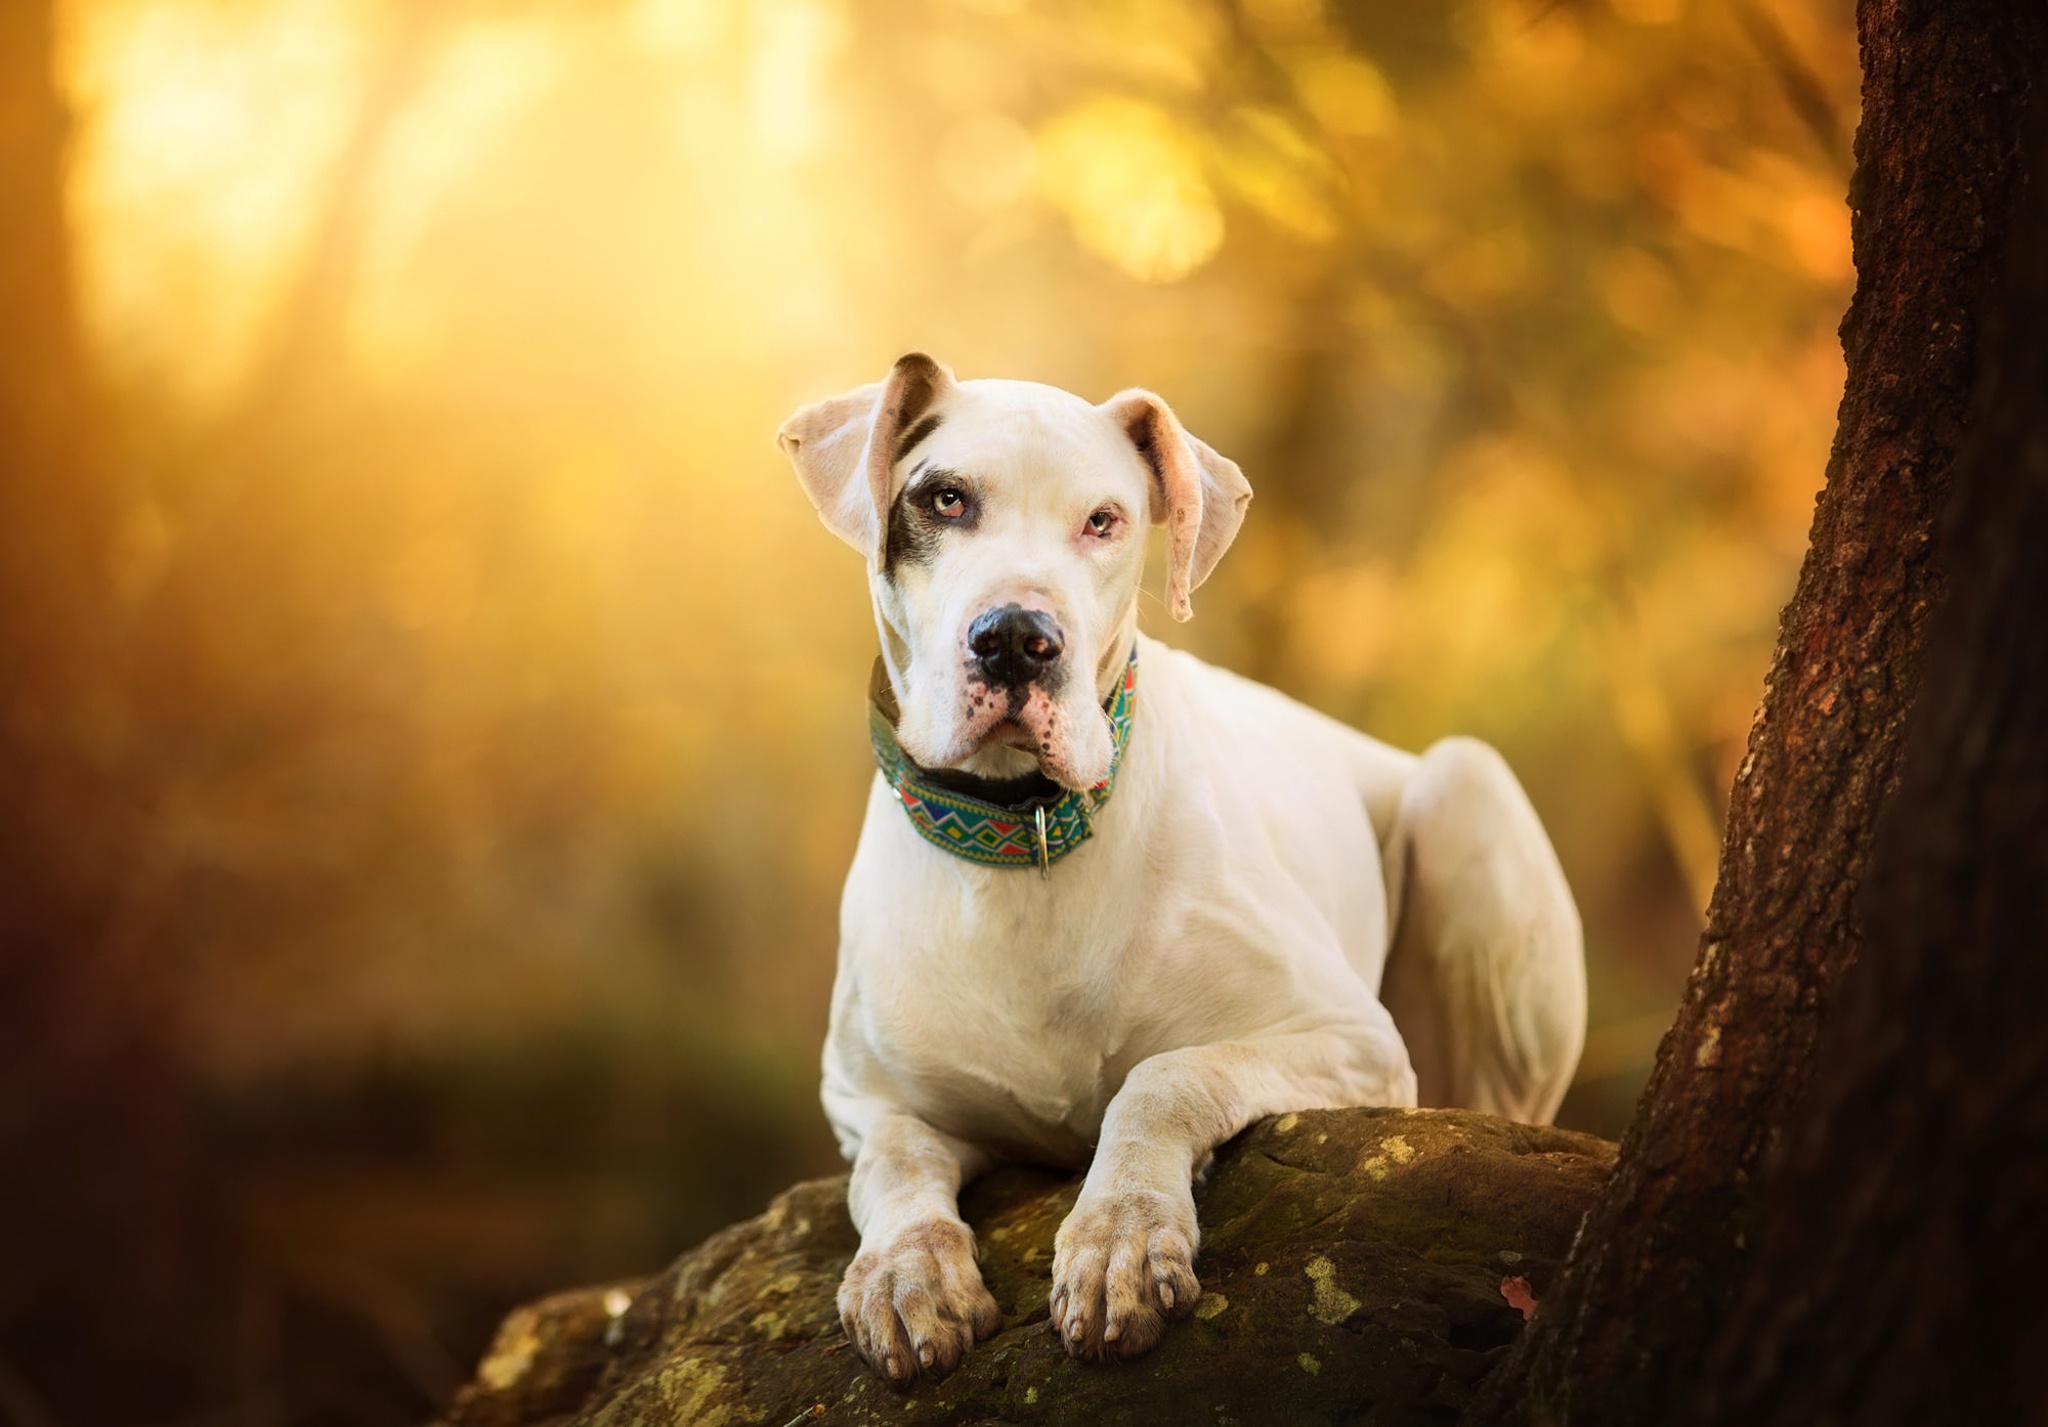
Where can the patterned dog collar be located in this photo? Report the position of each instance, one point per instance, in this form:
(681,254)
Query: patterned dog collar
(1035,832)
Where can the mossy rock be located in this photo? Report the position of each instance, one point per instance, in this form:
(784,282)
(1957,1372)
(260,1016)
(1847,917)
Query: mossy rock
(1357,1266)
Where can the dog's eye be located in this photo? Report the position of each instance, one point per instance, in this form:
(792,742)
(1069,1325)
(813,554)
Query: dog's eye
(949,502)
(1102,522)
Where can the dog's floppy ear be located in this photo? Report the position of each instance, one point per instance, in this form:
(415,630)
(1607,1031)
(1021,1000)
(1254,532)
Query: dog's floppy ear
(1200,495)
(845,447)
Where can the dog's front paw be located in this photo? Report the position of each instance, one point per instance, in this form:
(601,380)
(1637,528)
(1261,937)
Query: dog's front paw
(914,1301)
(1122,1265)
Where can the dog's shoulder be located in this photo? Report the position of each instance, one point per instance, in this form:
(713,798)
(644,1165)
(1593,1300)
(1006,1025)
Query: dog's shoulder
(1239,708)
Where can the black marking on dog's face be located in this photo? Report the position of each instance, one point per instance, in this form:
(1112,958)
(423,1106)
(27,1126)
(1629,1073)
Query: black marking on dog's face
(915,435)
(915,522)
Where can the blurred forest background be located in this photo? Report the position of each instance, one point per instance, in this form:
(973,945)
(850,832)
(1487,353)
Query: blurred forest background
(485,700)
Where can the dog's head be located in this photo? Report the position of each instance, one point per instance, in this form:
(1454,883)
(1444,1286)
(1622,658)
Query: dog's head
(1004,527)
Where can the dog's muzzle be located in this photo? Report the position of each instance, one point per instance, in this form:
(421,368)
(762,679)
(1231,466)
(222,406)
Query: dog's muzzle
(1014,646)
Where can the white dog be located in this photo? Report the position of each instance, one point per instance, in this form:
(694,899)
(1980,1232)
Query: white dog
(1111,905)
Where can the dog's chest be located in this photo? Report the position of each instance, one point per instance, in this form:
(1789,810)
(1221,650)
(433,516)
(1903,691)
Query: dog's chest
(1009,1027)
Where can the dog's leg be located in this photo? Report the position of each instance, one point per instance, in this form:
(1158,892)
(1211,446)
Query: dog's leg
(912,1299)
(1487,975)
(1123,1262)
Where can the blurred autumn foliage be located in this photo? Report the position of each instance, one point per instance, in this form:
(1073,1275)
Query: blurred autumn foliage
(491,699)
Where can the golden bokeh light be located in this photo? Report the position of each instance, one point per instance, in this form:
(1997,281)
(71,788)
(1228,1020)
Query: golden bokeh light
(498,694)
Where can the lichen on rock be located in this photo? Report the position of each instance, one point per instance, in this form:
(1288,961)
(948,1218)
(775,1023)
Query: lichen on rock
(1351,1265)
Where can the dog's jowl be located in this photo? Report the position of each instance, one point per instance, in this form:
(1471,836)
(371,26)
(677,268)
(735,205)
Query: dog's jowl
(1111,904)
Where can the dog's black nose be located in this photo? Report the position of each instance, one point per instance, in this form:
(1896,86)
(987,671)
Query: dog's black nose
(1013,645)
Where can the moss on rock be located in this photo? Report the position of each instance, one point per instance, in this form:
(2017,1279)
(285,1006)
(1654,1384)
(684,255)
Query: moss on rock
(1352,1267)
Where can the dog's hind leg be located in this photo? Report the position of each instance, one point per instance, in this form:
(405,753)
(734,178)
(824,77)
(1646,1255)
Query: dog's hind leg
(1486,978)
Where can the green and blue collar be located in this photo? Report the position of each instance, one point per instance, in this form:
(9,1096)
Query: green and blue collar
(1035,830)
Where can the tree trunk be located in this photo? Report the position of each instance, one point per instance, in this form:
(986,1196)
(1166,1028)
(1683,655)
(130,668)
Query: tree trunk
(1624,1337)
(1899,1268)
(89,1134)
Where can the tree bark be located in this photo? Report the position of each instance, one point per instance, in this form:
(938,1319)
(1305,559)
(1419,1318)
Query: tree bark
(1898,1272)
(1659,1260)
